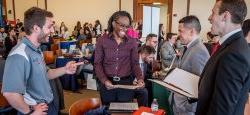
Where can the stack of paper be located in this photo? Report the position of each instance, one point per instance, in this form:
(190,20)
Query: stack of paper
(126,86)
(123,106)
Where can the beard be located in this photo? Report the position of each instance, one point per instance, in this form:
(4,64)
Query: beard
(42,37)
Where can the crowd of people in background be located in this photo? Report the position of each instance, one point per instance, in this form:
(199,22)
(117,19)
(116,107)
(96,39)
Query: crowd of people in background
(121,57)
(10,35)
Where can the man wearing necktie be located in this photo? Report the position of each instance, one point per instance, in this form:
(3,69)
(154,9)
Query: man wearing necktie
(168,51)
(146,56)
(193,60)
(246,32)
(224,84)
(214,44)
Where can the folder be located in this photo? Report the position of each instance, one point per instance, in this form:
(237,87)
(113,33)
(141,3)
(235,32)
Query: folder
(182,82)
(119,107)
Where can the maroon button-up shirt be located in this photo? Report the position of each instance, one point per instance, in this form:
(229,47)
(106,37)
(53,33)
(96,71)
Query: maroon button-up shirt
(112,59)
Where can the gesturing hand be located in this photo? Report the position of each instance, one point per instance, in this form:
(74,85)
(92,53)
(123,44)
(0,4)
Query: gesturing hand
(70,67)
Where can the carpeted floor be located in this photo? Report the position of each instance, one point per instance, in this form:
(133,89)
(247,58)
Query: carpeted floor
(70,97)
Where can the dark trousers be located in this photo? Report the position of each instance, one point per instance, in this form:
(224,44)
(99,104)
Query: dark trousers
(142,97)
(148,86)
(117,95)
(52,110)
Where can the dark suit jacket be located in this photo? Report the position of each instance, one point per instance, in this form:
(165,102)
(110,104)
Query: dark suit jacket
(225,80)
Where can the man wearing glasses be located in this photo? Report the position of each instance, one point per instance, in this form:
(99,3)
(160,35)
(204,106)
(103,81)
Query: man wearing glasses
(151,40)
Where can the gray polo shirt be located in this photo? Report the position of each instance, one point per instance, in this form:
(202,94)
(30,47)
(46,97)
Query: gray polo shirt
(26,73)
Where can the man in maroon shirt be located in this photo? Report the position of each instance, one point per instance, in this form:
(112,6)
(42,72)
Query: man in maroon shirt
(117,60)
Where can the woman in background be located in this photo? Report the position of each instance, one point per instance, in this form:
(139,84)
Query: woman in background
(160,39)
(98,28)
(78,27)
(64,31)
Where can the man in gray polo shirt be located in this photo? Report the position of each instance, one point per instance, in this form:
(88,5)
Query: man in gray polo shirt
(26,78)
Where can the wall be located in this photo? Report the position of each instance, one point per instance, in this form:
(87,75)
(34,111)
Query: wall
(86,10)
(180,9)
(248,9)
(74,10)
(164,16)
(83,11)
(20,7)
(127,5)
(9,6)
(201,8)
(202,12)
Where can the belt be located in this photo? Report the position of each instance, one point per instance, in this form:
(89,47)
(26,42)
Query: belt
(116,78)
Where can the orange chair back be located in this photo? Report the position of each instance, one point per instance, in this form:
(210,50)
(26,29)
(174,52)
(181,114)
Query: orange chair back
(62,39)
(3,101)
(56,40)
(84,105)
(81,42)
(49,57)
(54,47)
(59,52)
(88,40)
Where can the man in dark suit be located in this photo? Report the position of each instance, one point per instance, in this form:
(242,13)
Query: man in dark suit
(246,32)
(225,80)
(146,56)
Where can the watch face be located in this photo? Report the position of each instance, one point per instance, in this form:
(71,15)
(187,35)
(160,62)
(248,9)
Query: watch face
(31,107)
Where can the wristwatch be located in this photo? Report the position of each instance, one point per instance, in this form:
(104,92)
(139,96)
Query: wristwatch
(31,110)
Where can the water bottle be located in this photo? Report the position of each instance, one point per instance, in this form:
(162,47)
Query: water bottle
(154,105)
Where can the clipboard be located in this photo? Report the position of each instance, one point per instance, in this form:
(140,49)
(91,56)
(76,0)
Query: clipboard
(182,82)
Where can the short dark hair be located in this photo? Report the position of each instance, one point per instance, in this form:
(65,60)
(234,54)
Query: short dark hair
(149,36)
(237,8)
(170,35)
(191,22)
(115,16)
(211,35)
(246,27)
(35,16)
(147,49)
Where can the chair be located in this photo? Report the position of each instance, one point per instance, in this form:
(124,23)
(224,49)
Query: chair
(81,42)
(4,105)
(3,101)
(54,47)
(84,105)
(59,52)
(56,41)
(49,57)
(62,39)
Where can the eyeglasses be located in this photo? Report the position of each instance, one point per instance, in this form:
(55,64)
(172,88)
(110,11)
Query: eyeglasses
(123,25)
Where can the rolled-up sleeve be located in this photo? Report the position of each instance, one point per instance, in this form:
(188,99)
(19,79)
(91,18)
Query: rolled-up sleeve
(15,74)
